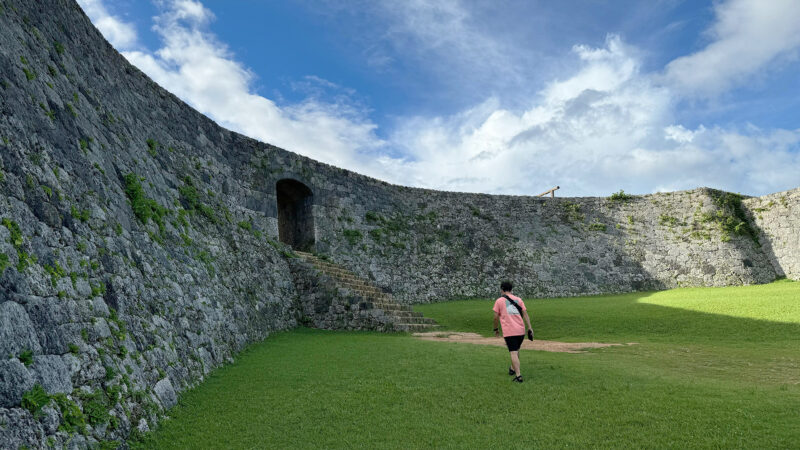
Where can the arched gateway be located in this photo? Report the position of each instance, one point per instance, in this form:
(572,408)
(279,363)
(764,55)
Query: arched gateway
(295,216)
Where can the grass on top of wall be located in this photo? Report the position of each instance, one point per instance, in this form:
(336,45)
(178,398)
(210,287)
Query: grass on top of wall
(684,385)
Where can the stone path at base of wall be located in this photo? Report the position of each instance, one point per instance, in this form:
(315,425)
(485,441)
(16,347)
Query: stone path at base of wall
(536,344)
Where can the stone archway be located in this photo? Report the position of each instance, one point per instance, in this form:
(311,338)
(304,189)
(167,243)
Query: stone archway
(295,216)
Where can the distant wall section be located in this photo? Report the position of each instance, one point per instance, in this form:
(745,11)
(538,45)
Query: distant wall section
(423,245)
(777,216)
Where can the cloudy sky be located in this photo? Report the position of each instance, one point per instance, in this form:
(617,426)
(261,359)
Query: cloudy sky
(496,96)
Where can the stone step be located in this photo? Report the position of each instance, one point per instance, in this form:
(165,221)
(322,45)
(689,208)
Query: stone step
(400,313)
(394,306)
(405,318)
(361,289)
(369,296)
(415,320)
(341,275)
(409,327)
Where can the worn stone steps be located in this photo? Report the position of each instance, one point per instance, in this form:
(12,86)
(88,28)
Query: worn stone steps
(412,327)
(405,318)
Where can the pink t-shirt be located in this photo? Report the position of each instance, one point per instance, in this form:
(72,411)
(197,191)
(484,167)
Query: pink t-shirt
(510,318)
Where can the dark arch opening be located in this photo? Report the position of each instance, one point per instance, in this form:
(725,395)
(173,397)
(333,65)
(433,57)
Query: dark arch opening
(295,216)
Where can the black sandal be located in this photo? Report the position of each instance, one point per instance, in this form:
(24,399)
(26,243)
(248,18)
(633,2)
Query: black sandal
(511,371)
(517,379)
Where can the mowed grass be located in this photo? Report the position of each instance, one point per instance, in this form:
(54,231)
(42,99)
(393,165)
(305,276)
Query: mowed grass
(712,368)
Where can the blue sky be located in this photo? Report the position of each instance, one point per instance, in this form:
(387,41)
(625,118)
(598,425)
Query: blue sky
(492,96)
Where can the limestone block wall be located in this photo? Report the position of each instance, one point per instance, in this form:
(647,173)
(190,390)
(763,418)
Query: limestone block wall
(426,246)
(777,217)
(116,290)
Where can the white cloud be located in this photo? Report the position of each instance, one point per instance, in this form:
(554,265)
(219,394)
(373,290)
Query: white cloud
(604,127)
(680,134)
(199,69)
(747,36)
(447,41)
(120,34)
(446,30)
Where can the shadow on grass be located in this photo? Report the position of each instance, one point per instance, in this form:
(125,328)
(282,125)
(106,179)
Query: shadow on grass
(631,317)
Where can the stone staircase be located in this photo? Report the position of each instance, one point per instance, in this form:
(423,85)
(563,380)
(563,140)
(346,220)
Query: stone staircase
(405,319)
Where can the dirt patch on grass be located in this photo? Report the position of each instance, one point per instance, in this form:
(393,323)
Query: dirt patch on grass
(536,344)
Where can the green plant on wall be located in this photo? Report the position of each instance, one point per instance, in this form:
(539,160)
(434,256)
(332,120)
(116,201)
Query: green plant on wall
(620,197)
(191,200)
(352,236)
(152,147)
(597,226)
(26,357)
(16,240)
(668,221)
(143,208)
(389,231)
(572,212)
(29,74)
(72,418)
(35,399)
(95,407)
(729,218)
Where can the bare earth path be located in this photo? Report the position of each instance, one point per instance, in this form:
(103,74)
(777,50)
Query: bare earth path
(536,344)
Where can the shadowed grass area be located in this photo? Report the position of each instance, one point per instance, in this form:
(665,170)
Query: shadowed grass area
(745,333)
(678,315)
(685,385)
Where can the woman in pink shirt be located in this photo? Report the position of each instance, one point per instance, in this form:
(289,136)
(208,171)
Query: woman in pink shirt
(509,311)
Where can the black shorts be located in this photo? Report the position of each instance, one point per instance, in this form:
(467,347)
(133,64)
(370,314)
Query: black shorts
(514,342)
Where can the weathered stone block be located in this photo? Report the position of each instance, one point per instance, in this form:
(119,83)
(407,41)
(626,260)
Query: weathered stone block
(15,380)
(52,373)
(166,393)
(19,429)
(17,332)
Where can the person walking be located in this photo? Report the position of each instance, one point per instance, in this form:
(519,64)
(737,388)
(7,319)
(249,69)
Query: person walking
(509,312)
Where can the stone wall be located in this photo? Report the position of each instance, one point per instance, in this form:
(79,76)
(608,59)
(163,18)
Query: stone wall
(116,290)
(138,248)
(426,246)
(777,217)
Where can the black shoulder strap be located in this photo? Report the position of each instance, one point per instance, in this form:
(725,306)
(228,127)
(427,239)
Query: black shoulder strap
(513,303)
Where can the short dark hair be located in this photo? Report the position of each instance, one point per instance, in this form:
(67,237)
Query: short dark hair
(506,286)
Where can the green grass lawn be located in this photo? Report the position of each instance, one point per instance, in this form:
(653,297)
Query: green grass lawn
(712,368)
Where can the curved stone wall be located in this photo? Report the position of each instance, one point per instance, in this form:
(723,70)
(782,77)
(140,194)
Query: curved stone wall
(139,245)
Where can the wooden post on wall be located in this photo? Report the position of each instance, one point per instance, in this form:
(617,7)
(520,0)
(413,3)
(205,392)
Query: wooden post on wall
(552,192)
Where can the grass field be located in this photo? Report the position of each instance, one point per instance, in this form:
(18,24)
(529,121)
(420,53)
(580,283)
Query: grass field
(716,367)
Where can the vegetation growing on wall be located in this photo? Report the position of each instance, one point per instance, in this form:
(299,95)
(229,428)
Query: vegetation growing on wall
(190,199)
(35,399)
(352,236)
(620,197)
(144,208)
(152,147)
(572,212)
(15,239)
(389,229)
(730,216)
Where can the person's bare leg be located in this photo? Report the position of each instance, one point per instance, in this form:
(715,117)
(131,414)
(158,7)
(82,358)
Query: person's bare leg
(515,362)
